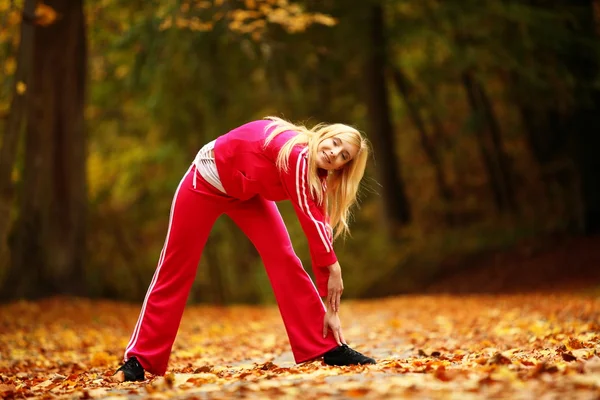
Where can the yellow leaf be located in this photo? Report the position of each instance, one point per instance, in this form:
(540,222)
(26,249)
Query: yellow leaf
(197,25)
(203,4)
(234,25)
(166,24)
(45,15)
(294,9)
(10,66)
(504,374)
(182,22)
(21,87)
(324,19)
(278,16)
(14,18)
(238,15)
(201,378)
(256,36)
(265,9)
(102,359)
(121,71)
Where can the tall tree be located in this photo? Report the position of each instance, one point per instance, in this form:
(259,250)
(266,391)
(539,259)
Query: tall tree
(490,144)
(565,123)
(536,83)
(395,202)
(49,235)
(583,120)
(14,127)
(407,91)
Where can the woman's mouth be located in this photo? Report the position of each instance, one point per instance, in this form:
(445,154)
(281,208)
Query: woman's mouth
(327,157)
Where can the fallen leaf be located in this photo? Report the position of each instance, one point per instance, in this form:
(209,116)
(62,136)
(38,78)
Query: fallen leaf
(69,349)
(358,392)
(568,356)
(500,359)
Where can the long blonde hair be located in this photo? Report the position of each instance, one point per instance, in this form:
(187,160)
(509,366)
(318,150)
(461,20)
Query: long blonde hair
(343,184)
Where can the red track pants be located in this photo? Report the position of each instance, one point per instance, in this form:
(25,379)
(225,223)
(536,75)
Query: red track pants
(193,213)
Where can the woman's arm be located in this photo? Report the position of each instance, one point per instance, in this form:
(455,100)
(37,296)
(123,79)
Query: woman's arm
(312,218)
(335,287)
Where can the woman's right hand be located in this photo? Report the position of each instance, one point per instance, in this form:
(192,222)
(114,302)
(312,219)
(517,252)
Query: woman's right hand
(332,321)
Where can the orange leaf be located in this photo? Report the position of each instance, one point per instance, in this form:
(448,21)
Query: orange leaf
(357,392)
(575,344)
(499,359)
(45,15)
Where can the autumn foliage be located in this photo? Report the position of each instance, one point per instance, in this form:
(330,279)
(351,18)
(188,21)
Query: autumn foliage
(491,109)
(512,346)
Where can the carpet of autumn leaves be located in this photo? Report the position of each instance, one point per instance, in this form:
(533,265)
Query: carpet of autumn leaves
(518,346)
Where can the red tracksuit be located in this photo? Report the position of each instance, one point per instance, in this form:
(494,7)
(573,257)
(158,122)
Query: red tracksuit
(253,183)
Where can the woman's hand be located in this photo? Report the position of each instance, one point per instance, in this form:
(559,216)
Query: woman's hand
(332,321)
(335,287)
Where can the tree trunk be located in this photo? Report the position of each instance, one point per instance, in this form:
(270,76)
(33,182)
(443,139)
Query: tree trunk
(429,148)
(395,203)
(490,145)
(547,140)
(497,146)
(544,134)
(584,120)
(49,247)
(13,131)
(586,125)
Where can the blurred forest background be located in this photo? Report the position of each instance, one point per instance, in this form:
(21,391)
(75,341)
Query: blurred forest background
(484,118)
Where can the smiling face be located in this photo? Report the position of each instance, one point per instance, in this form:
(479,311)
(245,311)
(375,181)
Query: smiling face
(333,153)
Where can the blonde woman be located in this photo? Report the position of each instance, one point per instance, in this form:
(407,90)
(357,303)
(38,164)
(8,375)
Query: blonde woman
(242,174)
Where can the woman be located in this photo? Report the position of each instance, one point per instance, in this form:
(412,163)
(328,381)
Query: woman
(242,174)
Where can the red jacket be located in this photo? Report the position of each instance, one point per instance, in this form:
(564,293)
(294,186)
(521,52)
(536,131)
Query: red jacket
(247,169)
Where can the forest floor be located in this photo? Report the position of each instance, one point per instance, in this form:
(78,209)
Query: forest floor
(510,333)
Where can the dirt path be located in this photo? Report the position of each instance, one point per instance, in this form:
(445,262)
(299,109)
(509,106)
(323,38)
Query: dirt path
(541,346)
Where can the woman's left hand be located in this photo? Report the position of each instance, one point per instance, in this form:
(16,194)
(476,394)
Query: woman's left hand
(335,287)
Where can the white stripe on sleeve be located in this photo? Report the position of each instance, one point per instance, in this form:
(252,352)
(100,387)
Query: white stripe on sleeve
(301,191)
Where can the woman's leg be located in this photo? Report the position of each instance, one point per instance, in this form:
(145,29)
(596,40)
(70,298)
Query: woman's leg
(299,303)
(196,205)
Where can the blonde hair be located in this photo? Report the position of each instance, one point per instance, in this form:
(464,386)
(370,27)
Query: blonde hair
(343,184)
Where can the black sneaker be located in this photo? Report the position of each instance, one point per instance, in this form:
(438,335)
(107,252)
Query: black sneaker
(344,355)
(132,370)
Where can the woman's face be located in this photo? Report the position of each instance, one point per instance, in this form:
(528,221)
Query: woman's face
(333,153)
